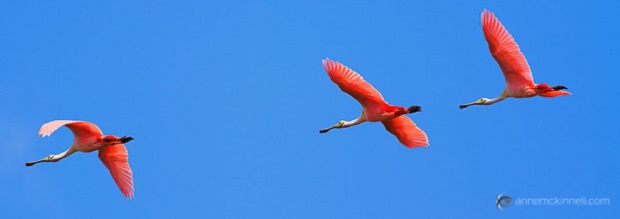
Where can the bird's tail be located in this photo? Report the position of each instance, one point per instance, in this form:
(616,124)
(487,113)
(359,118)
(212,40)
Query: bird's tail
(555,93)
(545,90)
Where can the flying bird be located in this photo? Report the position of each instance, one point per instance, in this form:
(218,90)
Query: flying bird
(519,80)
(375,109)
(87,138)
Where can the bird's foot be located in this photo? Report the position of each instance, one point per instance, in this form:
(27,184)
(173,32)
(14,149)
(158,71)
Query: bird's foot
(126,139)
(413,109)
(560,87)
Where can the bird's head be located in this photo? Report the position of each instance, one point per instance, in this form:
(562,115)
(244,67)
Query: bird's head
(340,124)
(49,158)
(480,101)
(337,126)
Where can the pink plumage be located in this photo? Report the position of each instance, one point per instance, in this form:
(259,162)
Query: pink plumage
(88,138)
(375,108)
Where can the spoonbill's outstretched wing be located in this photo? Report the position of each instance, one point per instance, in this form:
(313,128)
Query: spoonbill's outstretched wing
(79,128)
(116,160)
(506,52)
(354,84)
(406,131)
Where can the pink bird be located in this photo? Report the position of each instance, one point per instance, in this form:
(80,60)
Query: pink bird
(87,138)
(375,109)
(519,80)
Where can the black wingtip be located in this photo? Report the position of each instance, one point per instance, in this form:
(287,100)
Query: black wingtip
(29,164)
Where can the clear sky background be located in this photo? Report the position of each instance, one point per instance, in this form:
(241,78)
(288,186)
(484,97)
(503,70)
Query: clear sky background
(225,100)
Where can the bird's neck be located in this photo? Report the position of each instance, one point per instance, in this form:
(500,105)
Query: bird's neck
(64,154)
(354,122)
(497,99)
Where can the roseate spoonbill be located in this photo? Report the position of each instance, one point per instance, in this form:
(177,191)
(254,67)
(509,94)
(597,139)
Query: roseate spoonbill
(87,138)
(519,80)
(375,109)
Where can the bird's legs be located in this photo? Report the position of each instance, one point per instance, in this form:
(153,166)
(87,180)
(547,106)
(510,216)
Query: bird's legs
(413,109)
(113,140)
(399,110)
(126,139)
(545,90)
(54,158)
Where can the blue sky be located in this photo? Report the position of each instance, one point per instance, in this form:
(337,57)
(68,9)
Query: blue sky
(225,100)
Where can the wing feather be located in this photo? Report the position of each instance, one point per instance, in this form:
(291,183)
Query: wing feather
(406,131)
(77,127)
(353,84)
(116,160)
(506,52)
